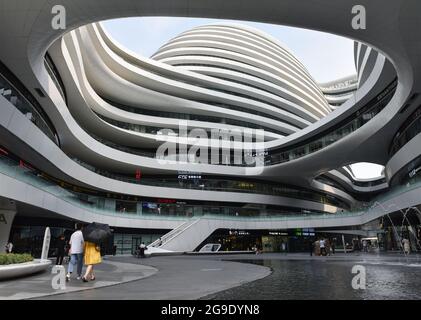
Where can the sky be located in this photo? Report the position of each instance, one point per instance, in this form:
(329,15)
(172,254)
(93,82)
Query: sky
(327,57)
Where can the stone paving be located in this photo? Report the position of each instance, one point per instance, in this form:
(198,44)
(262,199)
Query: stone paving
(193,277)
(179,277)
(108,273)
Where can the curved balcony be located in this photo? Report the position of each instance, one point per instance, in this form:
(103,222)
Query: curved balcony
(377,207)
(22,102)
(409,129)
(8,160)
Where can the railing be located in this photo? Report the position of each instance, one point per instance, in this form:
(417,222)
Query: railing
(410,128)
(350,125)
(361,183)
(94,204)
(55,75)
(225,186)
(324,139)
(191,117)
(27,175)
(8,91)
(174,233)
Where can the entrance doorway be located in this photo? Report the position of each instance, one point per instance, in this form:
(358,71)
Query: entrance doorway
(136,241)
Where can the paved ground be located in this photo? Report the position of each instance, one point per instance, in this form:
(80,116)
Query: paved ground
(194,277)
(109,273)
(179,277)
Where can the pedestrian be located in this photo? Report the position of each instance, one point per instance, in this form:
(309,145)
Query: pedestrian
(365,246)
(9,247)
(76,252)
(92,256)
(114,250)
(61,243)
(142,249)
(311,247)
(322,247)
(406,246)
(66,252)
(333,246)
(317,247)
(327,246)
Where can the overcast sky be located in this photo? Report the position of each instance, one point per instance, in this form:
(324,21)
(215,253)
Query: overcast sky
(327,57)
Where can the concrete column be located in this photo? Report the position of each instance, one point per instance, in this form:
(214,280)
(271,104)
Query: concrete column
(6,221)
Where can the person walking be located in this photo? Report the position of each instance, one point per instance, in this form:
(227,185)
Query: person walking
(311,247)
(406,246)
(365,246)
(322,247)
(9,247)
(61,243)
(327,246)
(142,249)
(92,256)
(76,252)
(317,247)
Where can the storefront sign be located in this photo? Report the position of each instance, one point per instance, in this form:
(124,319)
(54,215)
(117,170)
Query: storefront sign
(239,233)
(277,233)
(166,201)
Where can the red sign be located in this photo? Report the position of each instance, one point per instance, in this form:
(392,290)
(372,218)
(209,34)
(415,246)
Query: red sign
(138,174)
(166,200)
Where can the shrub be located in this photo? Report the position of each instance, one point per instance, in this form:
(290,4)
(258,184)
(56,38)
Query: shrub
(13,258)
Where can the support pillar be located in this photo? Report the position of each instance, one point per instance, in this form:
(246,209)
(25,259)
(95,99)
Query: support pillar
(7,214)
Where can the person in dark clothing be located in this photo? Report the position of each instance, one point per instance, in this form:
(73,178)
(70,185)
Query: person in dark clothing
(311,247)
(114,250)
(61,243)
(333,246)
(142,249)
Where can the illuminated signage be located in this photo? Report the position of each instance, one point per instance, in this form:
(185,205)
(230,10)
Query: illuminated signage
(166,200)
(189,176)
(138,174)
(239,233)
(414,172)
(278,233)
(308,232)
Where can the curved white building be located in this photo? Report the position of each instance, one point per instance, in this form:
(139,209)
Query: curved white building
(83,123)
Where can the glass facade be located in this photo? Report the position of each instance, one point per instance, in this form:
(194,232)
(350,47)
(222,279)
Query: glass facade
(27,108)
(410,128)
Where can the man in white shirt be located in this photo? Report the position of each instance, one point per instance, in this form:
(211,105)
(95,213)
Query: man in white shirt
(9,247)
(322,247)
(76,252)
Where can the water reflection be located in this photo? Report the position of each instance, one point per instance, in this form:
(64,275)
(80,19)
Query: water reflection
(324,279)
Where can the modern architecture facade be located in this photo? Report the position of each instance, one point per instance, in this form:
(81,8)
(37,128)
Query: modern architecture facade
(222,132)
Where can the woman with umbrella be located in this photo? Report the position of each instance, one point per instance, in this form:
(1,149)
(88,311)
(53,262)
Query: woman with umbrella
(94,234)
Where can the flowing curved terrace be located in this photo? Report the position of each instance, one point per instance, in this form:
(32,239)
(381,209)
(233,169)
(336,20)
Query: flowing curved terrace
(220,127)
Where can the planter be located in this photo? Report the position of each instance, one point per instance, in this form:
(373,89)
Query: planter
(23,269)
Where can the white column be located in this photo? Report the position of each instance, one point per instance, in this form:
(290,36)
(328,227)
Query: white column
(6,221)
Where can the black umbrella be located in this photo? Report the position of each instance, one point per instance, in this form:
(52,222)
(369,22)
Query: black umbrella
(96,232)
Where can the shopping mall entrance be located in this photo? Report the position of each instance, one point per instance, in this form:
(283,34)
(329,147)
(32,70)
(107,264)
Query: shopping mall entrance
(295,240)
